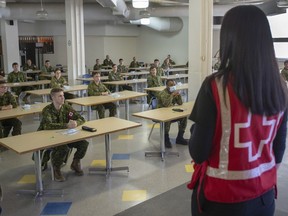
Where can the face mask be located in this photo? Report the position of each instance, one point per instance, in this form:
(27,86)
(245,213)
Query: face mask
(172,88)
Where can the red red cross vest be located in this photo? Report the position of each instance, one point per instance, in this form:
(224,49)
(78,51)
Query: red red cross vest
(242,165)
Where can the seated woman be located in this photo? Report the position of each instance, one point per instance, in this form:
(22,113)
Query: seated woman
(59,82)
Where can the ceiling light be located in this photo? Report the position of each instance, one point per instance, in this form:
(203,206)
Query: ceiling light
(2,3)
(145,21)
(42,13)
(107,3)
(140,3)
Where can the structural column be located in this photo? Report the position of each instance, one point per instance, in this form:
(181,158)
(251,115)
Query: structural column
(75,39)
(200,43)
(10,43)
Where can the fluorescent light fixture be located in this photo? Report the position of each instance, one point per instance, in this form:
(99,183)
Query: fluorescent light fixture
(107,3)
(3,3)
(140,3)
(42,13)
(145,21)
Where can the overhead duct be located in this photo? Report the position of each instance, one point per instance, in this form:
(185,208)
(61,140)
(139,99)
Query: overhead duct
(107,3)
(168,24)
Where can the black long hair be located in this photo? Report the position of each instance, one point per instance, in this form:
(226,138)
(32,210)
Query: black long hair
(248,61)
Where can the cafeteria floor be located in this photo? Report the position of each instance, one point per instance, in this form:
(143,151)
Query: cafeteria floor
(95,193)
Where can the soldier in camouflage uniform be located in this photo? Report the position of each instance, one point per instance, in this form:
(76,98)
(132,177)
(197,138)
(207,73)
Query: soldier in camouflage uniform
(97,88)
(59,82)
(167,98)
(284,71)
(97,66)
(134,63)
(153,81)
(107,61)
(7,101)
(115,76)
(160,71)
(59,115)
(16,76)
(121,68)
(29,66)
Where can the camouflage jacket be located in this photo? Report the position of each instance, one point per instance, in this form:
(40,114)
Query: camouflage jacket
(107,62)
(153,81)
(53,119)
(14,77)
(284,73)
(7,99)
(121,69)
(58,83)
(134,64)
(97,67)
(160,71)
(96,89)
(31,67)
(166,99)
(114,76)
(44,69)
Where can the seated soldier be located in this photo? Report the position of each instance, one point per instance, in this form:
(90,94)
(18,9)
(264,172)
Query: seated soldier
(59,115)
(59,82)
(166,98)
(115,76)
(96,88)
(8,101)
(16,76)
(153,80)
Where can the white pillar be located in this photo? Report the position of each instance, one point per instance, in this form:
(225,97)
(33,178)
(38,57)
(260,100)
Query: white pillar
(75,39)
(10,43)
(200,43)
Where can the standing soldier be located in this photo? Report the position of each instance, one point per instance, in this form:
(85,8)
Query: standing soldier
(169,97)
(7,102)
(59,115)
(96,88)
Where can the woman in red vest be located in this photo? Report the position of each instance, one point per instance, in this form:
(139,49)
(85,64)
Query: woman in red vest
(238,139)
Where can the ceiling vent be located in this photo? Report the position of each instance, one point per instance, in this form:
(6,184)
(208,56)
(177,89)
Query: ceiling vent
(282,3)
(2,3)
(107,3)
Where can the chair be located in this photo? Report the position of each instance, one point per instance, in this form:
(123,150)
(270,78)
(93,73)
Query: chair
(50,151)
(86,76)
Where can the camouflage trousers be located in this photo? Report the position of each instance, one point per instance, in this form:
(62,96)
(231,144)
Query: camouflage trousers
(6,126)
(181,126)
(101,109)
(60,152)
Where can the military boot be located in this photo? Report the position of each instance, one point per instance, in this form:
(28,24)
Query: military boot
(180,139)
(167,141)
(76,166)
(58,175)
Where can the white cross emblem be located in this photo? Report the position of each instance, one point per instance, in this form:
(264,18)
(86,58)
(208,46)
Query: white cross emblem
(248,144)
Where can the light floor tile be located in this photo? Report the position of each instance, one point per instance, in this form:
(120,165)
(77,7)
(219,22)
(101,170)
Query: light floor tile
(134,195)
(189,168)
(27,179)
(126,137)
(96,163)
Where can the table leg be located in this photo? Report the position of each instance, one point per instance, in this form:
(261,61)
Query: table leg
(39,191)
(109,167)
(162,151)
(89,113)
(127,109)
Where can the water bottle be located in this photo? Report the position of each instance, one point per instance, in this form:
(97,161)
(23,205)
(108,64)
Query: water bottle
(36,77)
